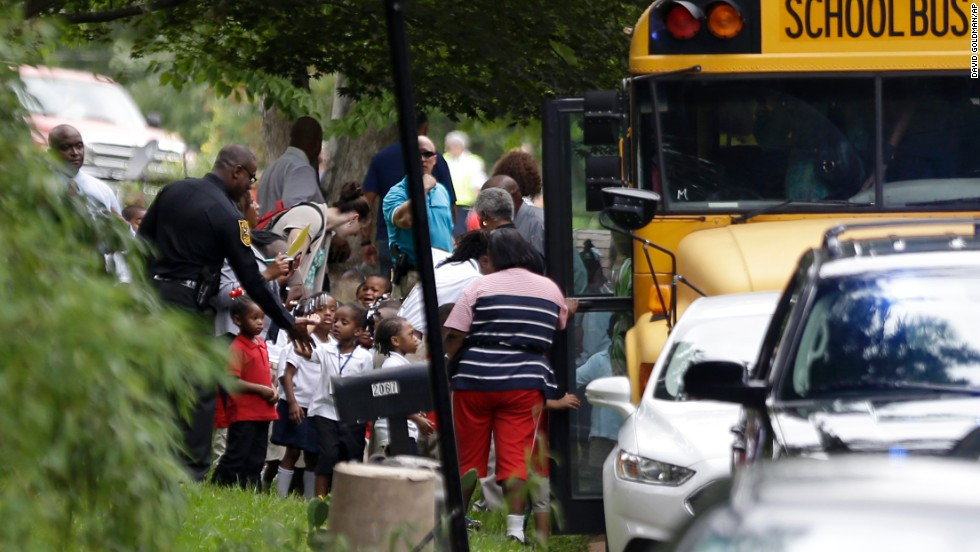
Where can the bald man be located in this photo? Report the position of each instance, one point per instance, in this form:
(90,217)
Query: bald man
(294,178)
(387,168)
(66,142)
(397,210)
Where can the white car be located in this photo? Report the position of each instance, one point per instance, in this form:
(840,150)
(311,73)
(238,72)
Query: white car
(846,503)
(120,142)
(671,450)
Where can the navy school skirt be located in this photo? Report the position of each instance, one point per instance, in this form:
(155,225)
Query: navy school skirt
(287,434)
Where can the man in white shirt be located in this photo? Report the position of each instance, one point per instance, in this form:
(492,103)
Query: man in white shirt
(469,173)
(293,178)
(66,141)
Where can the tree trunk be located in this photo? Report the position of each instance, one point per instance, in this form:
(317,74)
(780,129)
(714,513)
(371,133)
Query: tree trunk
(275,135)
(347,160)
(382,507)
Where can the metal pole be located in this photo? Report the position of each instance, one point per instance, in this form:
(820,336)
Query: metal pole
(438,378)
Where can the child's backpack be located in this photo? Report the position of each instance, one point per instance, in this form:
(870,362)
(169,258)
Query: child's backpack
(268,220)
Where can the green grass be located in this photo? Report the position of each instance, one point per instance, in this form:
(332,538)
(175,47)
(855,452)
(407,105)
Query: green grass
(220,518)
(224,519)
(491,536)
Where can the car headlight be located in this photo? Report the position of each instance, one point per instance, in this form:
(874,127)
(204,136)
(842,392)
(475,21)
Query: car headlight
(633,467)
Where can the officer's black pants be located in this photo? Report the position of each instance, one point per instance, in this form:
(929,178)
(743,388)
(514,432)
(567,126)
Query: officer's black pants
(196,430)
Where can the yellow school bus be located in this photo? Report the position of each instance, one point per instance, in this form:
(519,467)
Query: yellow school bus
(760,124)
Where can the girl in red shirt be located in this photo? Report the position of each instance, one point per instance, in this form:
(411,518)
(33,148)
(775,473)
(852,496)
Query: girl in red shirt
(252,407)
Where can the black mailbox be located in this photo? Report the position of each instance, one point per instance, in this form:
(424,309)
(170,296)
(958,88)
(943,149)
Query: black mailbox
(391,393)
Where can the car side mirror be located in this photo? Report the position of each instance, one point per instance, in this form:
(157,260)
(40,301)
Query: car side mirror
(612,392)
(154,119)
(725,381)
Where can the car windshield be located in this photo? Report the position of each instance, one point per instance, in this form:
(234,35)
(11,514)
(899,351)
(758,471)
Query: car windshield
(795,144)
(896,332)
(736,339)
(73,99)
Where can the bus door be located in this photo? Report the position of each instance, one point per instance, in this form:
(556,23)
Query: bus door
(593,265)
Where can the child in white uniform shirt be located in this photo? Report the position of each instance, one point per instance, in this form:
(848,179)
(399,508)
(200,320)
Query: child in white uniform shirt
(338,441)
(395,338)
(299,378)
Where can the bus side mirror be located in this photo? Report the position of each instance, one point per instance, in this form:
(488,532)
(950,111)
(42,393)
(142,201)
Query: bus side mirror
(630,208)
(723,380)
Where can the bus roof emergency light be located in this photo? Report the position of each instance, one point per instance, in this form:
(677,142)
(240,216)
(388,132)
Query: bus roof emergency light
(683,20)
(724,20)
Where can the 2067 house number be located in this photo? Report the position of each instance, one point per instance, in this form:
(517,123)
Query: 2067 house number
(384,388)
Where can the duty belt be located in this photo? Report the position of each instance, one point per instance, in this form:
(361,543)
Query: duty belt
(192,284)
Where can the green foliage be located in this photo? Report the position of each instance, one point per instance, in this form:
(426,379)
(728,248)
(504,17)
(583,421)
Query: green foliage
(489,139)
(91,367)
(317,512)
(486,59)
(377,112)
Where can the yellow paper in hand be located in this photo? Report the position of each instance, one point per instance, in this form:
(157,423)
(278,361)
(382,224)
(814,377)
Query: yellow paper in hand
(297,245)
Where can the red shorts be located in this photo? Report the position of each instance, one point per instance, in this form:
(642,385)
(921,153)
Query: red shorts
(510,416)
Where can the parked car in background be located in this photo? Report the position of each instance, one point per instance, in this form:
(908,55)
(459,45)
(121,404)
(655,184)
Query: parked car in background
(848,504)
(120,142)
(873,348)
(672,450)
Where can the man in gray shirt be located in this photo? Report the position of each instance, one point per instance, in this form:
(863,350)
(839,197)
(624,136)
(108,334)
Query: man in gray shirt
(293,178)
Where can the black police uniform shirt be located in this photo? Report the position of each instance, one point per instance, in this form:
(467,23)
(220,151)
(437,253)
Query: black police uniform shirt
(193,224)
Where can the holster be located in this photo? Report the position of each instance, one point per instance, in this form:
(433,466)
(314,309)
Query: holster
(207,287)
(400,265)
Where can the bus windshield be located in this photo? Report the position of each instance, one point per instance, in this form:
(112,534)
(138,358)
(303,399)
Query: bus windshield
(810,143)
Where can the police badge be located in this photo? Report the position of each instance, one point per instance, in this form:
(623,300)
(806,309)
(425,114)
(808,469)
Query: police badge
(245,233)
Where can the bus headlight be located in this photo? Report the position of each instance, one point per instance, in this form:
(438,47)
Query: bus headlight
(633,467)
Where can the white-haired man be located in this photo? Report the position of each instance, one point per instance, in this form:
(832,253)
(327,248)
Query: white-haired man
(469,173)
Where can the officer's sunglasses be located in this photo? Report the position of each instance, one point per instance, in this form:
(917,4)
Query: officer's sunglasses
(251,176)
(428,154)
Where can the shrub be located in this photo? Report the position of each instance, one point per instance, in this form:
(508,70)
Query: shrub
(90,368)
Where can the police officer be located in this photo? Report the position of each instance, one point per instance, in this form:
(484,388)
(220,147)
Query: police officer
(194,225)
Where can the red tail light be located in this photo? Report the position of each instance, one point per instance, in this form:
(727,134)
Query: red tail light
(683,20)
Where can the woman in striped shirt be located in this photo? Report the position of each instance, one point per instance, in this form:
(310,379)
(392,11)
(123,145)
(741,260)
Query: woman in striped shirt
(498,337)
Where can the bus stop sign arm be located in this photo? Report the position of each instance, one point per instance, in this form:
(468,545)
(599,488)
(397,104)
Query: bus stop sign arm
(407,132)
